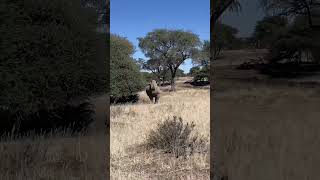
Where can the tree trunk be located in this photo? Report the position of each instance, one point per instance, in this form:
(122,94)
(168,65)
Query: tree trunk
(159,79)
(173,85)
(172,82)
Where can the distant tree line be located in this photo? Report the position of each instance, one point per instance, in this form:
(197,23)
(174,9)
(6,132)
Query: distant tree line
(290,32)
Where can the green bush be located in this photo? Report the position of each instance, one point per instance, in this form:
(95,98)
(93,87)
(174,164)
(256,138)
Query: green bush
(126,78)
(197,70)
(194,70)
(50,54)
(148,77)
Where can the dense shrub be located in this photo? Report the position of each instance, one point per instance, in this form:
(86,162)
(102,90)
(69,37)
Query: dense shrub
(173,136)
(124,99)
(50,54)
(147,77)
(126,78)
(201,79)
(288,42)
(194,71)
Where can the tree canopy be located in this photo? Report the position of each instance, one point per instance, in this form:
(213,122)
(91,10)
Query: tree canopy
(50,54)
(157,67)
(293,8)
(126,79)
(170,46)
(202,57)
(269,29)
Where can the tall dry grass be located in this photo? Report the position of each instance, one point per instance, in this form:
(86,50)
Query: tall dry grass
(272,133)
(264,129)
(59,155)
(131,124)
(56,157)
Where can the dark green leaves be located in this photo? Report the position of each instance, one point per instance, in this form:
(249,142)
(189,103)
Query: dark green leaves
(126,78)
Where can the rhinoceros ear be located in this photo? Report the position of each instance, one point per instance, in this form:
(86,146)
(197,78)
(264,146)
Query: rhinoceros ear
(148,87)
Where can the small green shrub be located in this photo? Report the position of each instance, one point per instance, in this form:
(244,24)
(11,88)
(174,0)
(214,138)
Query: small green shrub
(173,136)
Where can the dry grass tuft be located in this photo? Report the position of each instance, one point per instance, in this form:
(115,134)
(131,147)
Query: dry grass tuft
(59,155)
(173,136)
(52,158)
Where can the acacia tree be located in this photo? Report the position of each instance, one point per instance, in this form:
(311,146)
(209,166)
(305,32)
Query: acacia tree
(218,7)
(269,29)
(171,46)
(202,57)
(225,37)
(302,9)
(157,67)
(293,8)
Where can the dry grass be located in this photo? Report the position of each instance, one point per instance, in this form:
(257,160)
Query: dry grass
(130,125)
(61,156)
(265,129)
(53,158)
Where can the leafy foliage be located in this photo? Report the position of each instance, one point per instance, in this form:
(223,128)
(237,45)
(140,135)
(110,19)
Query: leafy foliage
(225,36)
(289,44)
(147,76)
(157,67)
(293,8)
(269,29)
(194,70)
(171,46)
(126,79)
(202,57)
(50,54)
(291,41)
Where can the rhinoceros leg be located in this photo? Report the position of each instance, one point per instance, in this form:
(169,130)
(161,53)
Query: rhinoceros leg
(151,99)
(157,99)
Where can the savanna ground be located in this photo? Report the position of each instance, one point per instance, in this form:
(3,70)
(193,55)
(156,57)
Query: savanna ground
(60,156)
(264,128)
(131,124)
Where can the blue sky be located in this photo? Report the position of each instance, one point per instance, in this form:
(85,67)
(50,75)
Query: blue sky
(135,18)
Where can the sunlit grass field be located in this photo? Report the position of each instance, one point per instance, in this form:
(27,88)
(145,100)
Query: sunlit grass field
(131,124)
